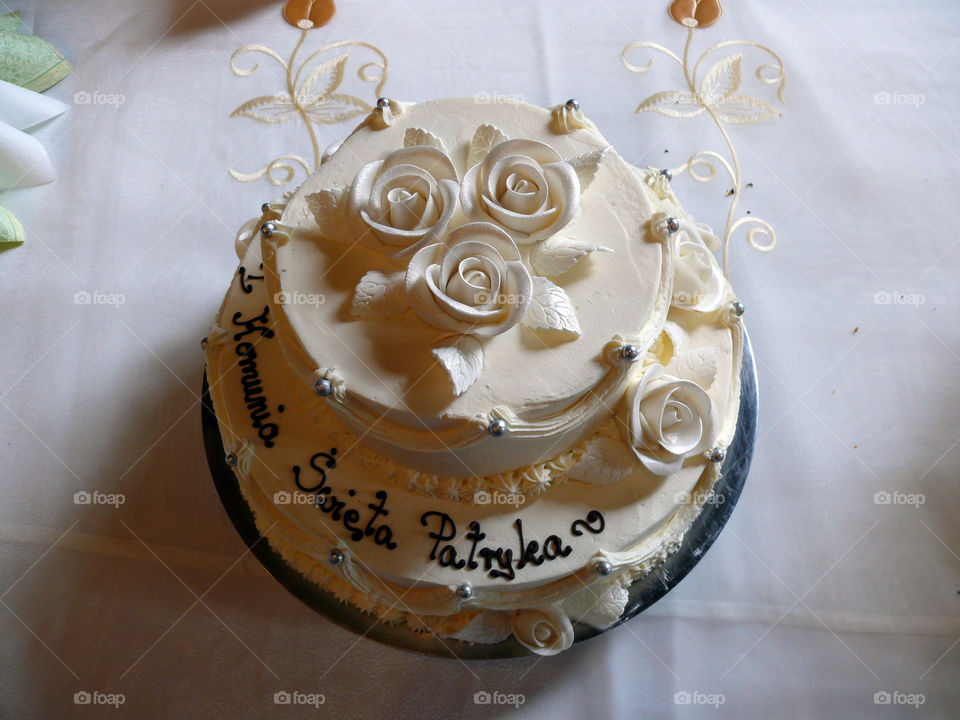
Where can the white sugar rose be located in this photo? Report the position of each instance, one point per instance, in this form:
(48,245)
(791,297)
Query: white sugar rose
(473,283)
(398,205)
(666,419)
(698,281)
(525,186)
(544,630)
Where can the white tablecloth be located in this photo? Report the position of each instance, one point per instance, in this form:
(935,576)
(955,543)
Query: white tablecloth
(818,594)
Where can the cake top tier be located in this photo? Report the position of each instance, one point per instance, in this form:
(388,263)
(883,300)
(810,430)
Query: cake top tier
(457,270)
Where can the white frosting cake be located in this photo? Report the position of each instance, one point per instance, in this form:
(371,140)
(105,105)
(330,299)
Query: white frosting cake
(477,373)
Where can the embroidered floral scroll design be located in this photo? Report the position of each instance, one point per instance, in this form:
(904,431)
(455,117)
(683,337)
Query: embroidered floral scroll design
(311,94)
(716,93)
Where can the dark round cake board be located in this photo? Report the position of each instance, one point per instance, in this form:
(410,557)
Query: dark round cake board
(642,594)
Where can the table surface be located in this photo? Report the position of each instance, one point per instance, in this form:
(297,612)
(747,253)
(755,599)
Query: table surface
(833,592)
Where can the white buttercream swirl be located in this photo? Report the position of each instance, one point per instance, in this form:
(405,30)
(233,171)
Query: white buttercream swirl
(473,283)
(398,205)
(666,419)
(524,186)
(544,630)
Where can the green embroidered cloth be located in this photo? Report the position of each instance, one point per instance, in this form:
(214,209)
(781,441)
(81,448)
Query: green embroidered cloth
(11,231)
(26,60)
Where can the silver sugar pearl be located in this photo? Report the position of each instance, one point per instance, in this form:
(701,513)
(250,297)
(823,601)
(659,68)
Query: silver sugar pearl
(265,208)
(673,224)
(604,568)
(667,174)
(738,308)
(465,591)
(323,387)
(383,103)
(572,104)
(630,352)
(268,229)
(231,459)
(717,454)
(204,342)
(336,557)
(497,427)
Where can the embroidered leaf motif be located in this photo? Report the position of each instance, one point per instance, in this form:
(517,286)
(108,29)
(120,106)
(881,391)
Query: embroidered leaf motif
(550,309)
(327,76)
(556,255)
(484,139)
(267,108)
(743,109)
(695,13)
(462,358)
(698,365)
(419,136)
(721,80)
(604,461)
(380,295)
(335,108)
(587,165)
(328,212)
(672,103)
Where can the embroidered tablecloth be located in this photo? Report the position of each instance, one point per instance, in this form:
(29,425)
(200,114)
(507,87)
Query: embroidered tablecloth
(835,589)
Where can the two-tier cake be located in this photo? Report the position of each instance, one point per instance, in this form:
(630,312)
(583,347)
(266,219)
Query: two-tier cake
(477,374)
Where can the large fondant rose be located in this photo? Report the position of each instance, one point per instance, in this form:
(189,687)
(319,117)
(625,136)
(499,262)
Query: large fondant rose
(473,283)
(666,419)
(524,186)
(398,205)
(544,630)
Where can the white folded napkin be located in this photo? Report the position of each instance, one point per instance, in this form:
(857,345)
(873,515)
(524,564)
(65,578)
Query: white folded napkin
(23,161)
(22,108)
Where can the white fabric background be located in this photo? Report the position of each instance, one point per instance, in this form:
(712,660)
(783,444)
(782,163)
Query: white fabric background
(813,599)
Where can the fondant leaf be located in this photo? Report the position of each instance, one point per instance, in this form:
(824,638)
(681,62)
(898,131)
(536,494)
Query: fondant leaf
(267,108)
(419,136)
(743,109)
(336,108)
(587,165)
(550,309)
(699,365)
(672,103)
(721,80)
(604,461)
(556,255)
(484,139)
(380,295)
(462,357)
(331,75)
(327,209)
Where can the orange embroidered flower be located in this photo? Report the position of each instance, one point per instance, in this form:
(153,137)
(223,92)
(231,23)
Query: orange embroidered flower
(306,14)
(696,13)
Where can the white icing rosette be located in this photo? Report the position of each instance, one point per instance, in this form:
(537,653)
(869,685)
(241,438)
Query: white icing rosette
(667,419)
(473,283)
(524,186)
(398,205)
(544,630)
